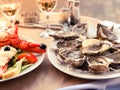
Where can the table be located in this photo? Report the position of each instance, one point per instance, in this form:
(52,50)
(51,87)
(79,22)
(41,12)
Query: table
(46,76)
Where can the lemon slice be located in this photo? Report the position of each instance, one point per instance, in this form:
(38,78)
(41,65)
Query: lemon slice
(13,71)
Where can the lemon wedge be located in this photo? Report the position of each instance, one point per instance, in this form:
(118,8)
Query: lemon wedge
(13,71)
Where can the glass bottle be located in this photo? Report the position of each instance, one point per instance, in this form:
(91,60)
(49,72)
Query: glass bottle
(74,7)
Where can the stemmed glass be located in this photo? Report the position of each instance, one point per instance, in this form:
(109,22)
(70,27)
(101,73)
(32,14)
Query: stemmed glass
(46,7)
(10,9)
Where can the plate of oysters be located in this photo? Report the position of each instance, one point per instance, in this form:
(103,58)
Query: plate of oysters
(88,52)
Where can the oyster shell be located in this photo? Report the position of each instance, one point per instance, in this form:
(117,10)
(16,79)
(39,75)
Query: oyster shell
(116,46)
(72,56)
(95,46)
(105,33)
(99,64)
(80,29)
(71,43)
(65,36)
(115,57)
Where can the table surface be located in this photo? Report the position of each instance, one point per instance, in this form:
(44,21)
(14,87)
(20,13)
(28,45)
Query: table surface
(46,76)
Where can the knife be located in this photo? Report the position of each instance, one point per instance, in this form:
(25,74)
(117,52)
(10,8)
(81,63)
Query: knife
(56,27)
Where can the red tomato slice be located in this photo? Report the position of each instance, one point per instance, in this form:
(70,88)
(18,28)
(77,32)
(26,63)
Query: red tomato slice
(29,56)
(3,69)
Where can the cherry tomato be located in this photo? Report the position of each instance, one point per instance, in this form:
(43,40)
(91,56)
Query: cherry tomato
(29,56)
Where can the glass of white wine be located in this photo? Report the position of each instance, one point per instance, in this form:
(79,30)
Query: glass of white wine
(10,9)
(46,7)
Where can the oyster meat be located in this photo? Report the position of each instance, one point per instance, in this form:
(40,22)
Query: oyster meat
(95,46)
(71,56)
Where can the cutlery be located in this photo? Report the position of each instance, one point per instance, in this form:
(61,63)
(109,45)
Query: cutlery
(56,27)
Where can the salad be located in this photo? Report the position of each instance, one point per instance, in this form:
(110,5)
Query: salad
(13,61)
(16,54)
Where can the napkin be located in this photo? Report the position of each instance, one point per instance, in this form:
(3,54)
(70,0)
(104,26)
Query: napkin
(108,84)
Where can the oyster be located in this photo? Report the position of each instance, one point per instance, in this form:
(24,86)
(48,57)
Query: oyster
(98,64)
(115,57)
(71,56)
(95,46)
(65,36)
(80,29)
(116,46)
(71,43)
(105,33)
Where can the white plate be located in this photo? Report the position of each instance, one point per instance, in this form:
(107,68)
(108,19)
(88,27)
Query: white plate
(40,59)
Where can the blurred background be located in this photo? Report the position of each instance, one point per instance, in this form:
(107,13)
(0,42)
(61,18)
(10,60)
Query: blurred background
(101,9)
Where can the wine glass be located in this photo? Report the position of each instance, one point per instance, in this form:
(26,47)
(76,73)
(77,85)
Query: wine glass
(46,7)
(10,9)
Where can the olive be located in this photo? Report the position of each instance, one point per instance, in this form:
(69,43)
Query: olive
(43,46)
(7,48)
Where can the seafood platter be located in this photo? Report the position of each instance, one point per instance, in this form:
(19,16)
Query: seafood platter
(87,54)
